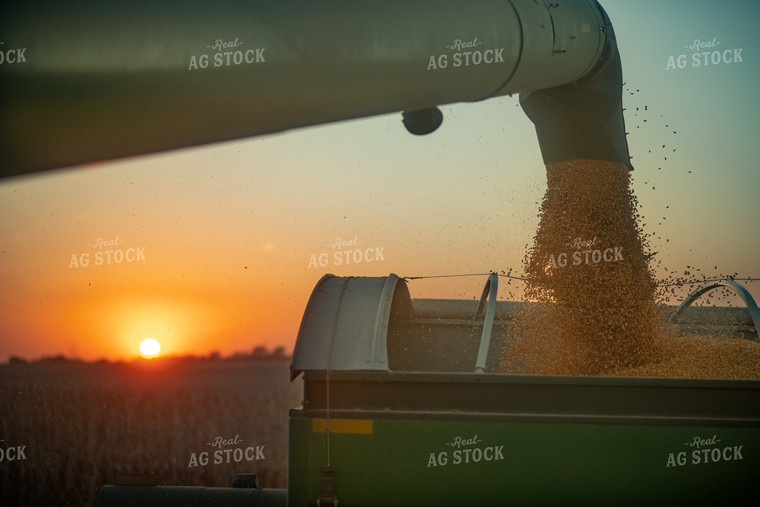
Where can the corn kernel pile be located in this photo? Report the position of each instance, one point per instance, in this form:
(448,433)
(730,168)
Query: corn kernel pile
(694,356)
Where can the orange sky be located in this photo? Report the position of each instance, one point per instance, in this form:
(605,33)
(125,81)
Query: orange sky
(227,231)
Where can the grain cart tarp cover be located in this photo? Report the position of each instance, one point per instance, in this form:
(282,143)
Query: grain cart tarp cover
(394,414)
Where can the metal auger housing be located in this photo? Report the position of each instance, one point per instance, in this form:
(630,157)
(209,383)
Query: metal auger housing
(92,80)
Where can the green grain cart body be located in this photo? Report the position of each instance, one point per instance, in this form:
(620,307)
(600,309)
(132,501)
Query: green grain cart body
(411,423)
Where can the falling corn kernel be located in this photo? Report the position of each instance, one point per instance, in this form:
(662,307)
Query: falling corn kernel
(593,293)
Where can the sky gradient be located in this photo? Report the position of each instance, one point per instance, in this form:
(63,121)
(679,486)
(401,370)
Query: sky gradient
(223,239)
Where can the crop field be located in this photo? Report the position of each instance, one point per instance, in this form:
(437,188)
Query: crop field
(67,428)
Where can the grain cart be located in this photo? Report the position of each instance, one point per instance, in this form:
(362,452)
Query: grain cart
(404,405)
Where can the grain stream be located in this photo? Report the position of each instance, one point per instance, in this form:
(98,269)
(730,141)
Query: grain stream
(594,308)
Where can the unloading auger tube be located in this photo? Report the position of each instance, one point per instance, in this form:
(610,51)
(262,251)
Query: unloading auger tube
(101,79)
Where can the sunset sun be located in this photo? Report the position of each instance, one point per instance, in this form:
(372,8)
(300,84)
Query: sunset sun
(150,347)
